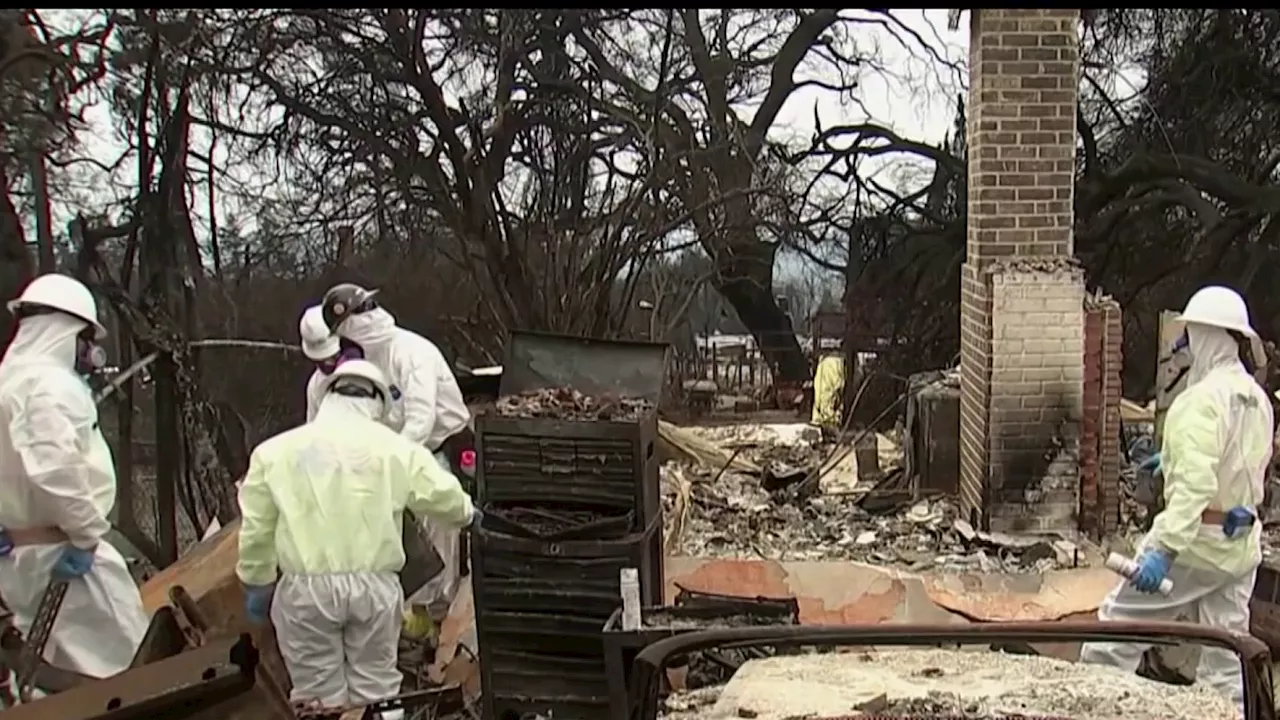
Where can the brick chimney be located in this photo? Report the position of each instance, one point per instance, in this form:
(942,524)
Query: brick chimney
(1022,293)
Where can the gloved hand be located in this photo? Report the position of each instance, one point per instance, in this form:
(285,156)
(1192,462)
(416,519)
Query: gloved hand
(1238,518)
(74,562)
(477,518)
(1153,566)
(257,598)
(1151,464)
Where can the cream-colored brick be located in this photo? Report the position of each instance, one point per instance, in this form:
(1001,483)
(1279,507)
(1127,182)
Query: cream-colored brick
(1065,360)
(1001,347)
(1044,347)
(1066,304)
(1006,375)
(1049,374)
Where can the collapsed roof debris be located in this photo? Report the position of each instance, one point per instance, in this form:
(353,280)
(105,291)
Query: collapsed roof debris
(569,404)
(710,513)
(952,683)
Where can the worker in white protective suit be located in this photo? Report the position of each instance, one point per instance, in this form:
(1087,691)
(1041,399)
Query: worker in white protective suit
(427,408)
(1216,448)
(326,350)
(58,483)
(322,503)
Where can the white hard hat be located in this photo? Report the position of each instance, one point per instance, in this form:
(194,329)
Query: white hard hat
(317,342)
(364,370)
(63,293)
(1219,307)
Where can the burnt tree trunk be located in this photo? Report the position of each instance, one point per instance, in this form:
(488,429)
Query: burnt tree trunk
(16,267)
(744,278)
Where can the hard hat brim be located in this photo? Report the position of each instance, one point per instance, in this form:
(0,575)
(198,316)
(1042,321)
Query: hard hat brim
(1238,327)
(321,351)
(99,330)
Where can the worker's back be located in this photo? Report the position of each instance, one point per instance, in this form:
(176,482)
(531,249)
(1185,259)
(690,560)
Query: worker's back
(340,485)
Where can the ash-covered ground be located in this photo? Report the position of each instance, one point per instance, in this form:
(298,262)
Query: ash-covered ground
(895,682)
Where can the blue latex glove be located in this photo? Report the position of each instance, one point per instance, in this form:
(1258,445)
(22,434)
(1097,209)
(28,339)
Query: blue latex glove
(74,562)
(1151,464)
(1153,566)
(1238,518)
(257,598)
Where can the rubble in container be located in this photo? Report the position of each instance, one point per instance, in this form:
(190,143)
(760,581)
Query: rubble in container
(896,682)
(545,520)
(569,404)
(734,516)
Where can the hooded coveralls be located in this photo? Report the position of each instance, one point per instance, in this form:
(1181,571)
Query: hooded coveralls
(1217,445)
(56,474)
(323,502)
(427,408)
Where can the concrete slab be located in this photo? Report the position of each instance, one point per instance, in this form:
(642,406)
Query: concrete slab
(832,592)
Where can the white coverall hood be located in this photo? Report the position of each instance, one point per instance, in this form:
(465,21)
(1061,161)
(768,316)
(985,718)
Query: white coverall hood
(1210,348)
(47,338)
(374,327)
(340,407)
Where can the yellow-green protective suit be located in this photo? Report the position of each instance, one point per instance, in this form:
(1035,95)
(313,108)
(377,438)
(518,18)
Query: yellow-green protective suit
(1217,446)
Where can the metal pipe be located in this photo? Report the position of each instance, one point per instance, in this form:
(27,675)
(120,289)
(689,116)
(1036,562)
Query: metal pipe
(1255,659)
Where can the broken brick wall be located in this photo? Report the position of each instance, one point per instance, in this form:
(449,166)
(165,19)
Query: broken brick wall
(1021,304)
(1100,425)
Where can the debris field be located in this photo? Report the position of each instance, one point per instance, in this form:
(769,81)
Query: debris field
(894,682)
(728,512)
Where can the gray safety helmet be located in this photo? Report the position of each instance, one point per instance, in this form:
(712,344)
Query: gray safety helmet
(344,300)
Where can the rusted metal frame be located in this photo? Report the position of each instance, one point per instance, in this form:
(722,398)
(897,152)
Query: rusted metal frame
(170,689)
(445,700)
(50,679)
(41,629)
(188,615)
(1254,655)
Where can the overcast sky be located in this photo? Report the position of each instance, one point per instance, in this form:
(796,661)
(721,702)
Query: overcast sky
(913,96)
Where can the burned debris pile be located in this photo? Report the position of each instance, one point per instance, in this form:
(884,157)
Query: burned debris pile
(569,404)
(734,512)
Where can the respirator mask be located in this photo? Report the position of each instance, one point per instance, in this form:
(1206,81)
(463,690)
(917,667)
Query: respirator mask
(91,357)
(347,351)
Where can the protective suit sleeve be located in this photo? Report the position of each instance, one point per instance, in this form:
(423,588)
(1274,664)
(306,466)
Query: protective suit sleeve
(434,492)
(419,393)
(258,517)
(312,392)
(47,440)
(1190,467)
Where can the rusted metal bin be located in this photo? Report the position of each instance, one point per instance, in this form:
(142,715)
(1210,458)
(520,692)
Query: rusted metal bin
(542,595)
(932,436)
(1264,608)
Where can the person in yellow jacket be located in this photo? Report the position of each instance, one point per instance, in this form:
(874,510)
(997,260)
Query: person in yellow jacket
(323,504)
(1207,540)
